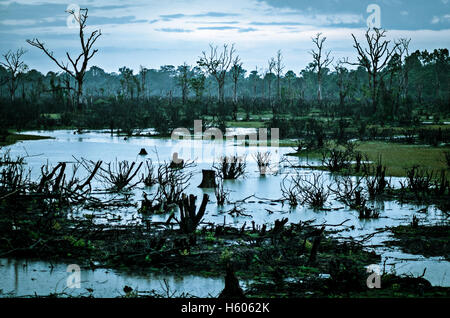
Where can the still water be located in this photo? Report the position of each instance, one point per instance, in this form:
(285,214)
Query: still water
(259,206)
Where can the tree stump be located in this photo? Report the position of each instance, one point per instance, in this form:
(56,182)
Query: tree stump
(315,247)
(209,179)
(143,152)
(189,218)
(232,288)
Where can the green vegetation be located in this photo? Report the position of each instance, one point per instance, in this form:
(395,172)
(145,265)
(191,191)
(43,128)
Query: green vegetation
(398,158)
(429,241)
(13,138)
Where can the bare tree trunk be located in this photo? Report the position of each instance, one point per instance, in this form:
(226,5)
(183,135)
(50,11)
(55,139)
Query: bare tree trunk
(319,89)
(221,92)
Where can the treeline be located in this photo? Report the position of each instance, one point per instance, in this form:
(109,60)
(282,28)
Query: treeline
(428,79)
(385,84)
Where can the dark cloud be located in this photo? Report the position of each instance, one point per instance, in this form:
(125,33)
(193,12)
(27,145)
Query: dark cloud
(395,14)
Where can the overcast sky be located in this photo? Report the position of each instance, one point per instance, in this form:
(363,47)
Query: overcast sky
(154,32)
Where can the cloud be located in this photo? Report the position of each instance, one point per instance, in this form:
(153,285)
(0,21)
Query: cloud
(199,15)
(244,30)
(170,30)
(275,23)
(172,16)
(154,32)
(19,22)
(395,14)
(216,15)
(435,20)
(219,28)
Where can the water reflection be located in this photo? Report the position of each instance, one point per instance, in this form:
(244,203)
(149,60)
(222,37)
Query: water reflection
(261,191)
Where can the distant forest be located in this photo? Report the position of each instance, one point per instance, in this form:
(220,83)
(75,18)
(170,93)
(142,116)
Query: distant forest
(385,84)
(428,74)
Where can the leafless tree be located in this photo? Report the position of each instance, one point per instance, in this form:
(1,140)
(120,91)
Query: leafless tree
(268,77)
(321,60)
(374,58)
(279,67)
(143,73)
(15,67)
(236,72)
(75,70)
(183,81)
(403,52)
(120,175)
(231,168)
(290,192)
(312,191)
(221,193)
(343,81)
(217,65)
(263,161)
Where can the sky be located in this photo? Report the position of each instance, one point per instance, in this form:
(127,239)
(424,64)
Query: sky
(152,33)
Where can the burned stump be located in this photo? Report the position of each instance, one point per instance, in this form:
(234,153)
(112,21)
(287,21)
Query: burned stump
(315,247)
(209,179)
(189,218)
(143,152)
(232,288)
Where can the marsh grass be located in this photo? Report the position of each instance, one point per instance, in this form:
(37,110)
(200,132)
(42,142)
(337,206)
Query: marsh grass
(397,157)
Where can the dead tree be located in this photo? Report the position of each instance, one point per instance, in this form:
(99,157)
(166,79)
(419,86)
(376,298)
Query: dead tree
(143,76)
(172,183)
(290,192)
(183,81)
(375,179)
(231,168)
(120,176)
(268,77)
(403,52)
(78,71)
(343,81)
(189,218)
(236,72)
(15,67)
(311,192)
(217,65)
(348,191)
(263,161)
(279,67)
(374,59)
(321,60)
(149,177)
(221,193)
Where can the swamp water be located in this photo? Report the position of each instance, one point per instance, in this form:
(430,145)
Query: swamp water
(260,194)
